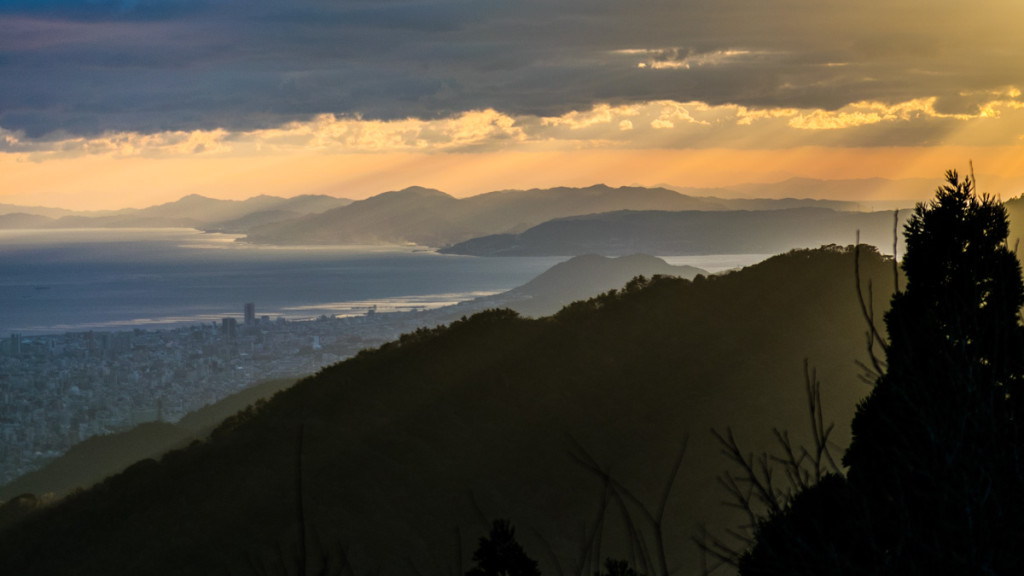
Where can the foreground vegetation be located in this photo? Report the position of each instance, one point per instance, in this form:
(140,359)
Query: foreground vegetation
(935,475)
(596,429)
(409,451)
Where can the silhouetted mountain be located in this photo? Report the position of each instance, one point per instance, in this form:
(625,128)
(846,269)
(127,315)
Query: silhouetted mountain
(187,212)
(583,277)
(49,212)
(432,218)
(418,215)
(21,220)
(413,215)
(250,221)
(198,207)
(524,208)
(130,220)
(866,191)
(404,454)
(96,458)
(688,233)
(196,211)
(209,210)
(302,204)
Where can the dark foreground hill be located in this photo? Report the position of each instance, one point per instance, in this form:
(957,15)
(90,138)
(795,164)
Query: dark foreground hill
(404,454)
(96,458)
(580,278)
(92,460)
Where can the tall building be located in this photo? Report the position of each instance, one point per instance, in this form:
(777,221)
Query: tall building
(250,314)
(15,344)
(229,327)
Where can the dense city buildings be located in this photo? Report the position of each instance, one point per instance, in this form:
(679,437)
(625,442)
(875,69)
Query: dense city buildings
(57,390)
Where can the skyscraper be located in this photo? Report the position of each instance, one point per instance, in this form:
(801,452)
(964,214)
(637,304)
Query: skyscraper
(229,327)
(250,314)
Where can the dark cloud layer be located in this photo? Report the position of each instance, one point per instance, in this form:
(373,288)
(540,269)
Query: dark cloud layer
(153,65)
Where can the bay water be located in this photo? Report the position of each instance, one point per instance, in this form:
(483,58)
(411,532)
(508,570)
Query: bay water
(54,281)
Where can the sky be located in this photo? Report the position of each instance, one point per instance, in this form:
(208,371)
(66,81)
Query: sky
(130,103)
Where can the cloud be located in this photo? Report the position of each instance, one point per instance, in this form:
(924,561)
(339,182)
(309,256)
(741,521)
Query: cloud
(664,124)
(153,66)
(324,133)
(123,144)
(867,113)
(599,114)
(682,58)
(329,132)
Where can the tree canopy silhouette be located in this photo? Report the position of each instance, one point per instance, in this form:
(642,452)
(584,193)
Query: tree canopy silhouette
(935,472)
(499,554)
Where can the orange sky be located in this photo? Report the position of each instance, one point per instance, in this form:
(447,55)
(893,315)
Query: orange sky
(129,104)
(108,182)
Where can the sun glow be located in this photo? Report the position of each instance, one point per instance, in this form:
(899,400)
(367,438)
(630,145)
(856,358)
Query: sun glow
(651,143)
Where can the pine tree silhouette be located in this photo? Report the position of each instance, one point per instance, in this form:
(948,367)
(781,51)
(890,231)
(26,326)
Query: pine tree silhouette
(936,467)
(934,448)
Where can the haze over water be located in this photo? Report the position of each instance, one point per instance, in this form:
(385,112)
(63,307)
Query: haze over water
(69,280)
(57,281)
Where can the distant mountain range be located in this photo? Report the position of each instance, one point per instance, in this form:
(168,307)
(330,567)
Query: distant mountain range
(872,193)
(432,218)
(416,215)
(396,460)
(193,211)
(691,232)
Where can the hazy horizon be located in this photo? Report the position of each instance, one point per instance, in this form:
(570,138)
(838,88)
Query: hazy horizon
(916,190)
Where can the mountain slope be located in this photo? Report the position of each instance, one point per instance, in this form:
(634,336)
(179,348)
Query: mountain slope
(96,458)
(432,218)
(404,453)
(583,277)
(199,211)
(101,456)
(249,221)
(16,220)
(688,233)
(414,215)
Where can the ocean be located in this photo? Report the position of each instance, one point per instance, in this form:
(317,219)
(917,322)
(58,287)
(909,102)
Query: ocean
(54,281)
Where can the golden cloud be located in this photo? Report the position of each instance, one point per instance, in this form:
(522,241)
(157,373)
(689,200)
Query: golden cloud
(654,124)
(865,113)
(681,58)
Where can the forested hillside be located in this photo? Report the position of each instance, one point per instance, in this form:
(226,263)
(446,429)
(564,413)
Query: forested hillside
(403,455)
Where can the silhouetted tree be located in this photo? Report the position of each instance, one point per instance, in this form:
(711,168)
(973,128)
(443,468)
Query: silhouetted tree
(499,554)
(934,448)
(935,470)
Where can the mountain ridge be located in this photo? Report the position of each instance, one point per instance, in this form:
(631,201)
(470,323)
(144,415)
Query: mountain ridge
(419,215)
(437,219)
(452,426)
(93,460)
(688,233)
